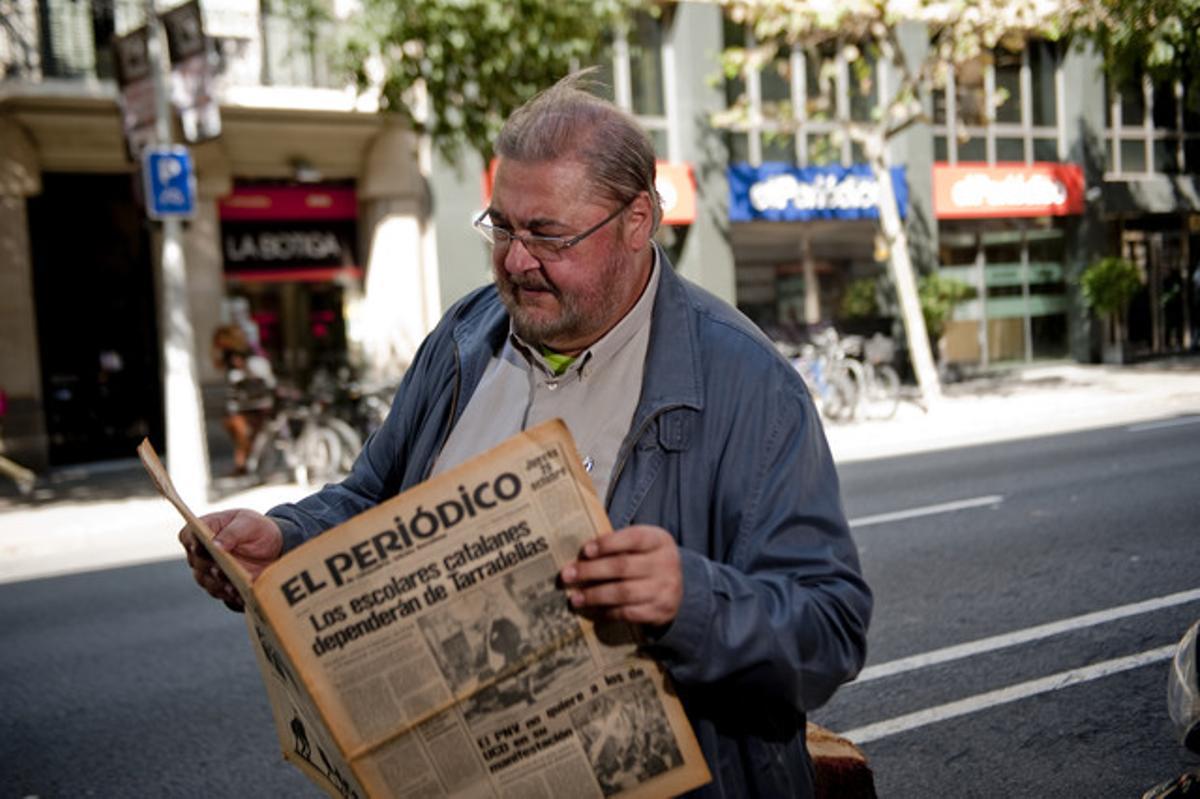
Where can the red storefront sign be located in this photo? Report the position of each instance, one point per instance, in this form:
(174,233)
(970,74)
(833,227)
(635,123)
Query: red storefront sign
(290,233)
(975,191)
(677,188)
(675,183)
(289,202)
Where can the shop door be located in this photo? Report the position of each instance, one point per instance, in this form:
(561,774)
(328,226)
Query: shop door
(1019,311)
(301,325)
(97,330)
(1159,317)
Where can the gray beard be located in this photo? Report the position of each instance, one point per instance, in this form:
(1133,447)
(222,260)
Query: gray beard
(572,321)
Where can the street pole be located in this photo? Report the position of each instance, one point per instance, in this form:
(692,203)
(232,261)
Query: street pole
(187,448)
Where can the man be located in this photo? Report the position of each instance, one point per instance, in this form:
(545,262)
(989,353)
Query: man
(731,547)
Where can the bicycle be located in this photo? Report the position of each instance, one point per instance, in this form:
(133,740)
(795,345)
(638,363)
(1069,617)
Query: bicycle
(878,381)
(303,440)
(829,382)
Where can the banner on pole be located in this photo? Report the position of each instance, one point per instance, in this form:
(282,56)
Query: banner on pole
(193,80)
(131,56)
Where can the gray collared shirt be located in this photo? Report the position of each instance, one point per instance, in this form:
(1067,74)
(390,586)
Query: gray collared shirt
(596,396)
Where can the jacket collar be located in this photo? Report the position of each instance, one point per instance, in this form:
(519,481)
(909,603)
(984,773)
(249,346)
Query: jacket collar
(673,370)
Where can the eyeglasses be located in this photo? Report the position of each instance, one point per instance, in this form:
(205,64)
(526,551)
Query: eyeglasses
(543,248)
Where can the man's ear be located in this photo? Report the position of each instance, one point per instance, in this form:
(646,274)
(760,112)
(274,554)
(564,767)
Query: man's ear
(639,222)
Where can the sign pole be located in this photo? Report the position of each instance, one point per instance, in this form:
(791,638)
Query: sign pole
(187,447)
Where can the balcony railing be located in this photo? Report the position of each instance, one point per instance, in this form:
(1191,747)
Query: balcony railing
(43,40)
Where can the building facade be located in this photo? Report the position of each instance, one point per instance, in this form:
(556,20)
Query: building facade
(339,234)
(1013,187)
(343,237)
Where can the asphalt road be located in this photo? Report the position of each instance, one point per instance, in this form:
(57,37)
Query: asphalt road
(1059,570)
(129,682)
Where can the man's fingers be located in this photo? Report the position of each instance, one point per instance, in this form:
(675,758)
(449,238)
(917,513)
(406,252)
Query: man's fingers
(631,539)
(252,537)
(218,520)
(192,545)
(626,554)
(216,584)
(638,603)
(633,575)
(613,567)
(237,535)
(626,592)
(213,583)
(648,613)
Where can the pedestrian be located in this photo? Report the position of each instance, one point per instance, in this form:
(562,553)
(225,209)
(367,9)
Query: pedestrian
(249,390)
(731,549)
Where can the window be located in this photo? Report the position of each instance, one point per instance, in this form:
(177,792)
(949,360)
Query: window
(1043,68)
(1151,129)
(797,103)
(75,37)
(1001,109)
(296,45)
(861,77)
(1007,94)
(646,68)
(632,70)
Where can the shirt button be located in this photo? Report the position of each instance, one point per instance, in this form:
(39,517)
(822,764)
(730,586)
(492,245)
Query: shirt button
(552,385)
(588,463)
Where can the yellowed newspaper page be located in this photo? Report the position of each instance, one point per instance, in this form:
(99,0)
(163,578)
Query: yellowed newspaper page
(158,474)
(443,657)
(303,736)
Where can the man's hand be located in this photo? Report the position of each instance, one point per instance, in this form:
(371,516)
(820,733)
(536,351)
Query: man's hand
(253,539)
(633,575)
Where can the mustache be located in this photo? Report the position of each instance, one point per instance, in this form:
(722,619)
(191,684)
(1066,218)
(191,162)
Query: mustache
(532,281)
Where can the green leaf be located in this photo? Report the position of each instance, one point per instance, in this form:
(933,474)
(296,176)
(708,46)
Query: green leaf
(474,61)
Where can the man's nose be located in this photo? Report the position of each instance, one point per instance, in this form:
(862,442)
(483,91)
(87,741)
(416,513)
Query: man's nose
(518,259)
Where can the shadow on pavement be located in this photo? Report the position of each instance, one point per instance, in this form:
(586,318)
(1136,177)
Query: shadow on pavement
(105,481)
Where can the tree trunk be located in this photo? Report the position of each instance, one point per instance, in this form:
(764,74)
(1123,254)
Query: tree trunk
(900,265)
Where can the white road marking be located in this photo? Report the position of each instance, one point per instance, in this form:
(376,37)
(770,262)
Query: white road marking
(1013,693)
(1137,428)
(928,510)
(893,667)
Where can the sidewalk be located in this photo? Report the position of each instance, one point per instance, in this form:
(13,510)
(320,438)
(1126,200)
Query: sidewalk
(84,519)
(1028,402)
(107,515)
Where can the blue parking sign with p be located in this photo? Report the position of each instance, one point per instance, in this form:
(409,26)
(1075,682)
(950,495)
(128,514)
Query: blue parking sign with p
(169,182)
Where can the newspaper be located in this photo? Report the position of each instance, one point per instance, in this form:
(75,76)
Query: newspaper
(423,648)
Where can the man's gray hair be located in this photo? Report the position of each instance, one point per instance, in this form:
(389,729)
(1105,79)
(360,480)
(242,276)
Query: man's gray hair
(566,121)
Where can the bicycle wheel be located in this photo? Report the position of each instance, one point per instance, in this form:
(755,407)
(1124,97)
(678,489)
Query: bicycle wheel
(351,443)
(885,392)
(268,455)
(839,397)
(320,452)
(856,375)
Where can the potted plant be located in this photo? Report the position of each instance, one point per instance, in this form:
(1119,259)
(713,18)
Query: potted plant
(938,295)
(862,305)
(1107,286)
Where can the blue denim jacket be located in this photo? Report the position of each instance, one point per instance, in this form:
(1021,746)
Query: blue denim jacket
(725,451)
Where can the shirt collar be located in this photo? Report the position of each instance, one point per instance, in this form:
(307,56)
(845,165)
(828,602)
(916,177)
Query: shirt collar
(606,348)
